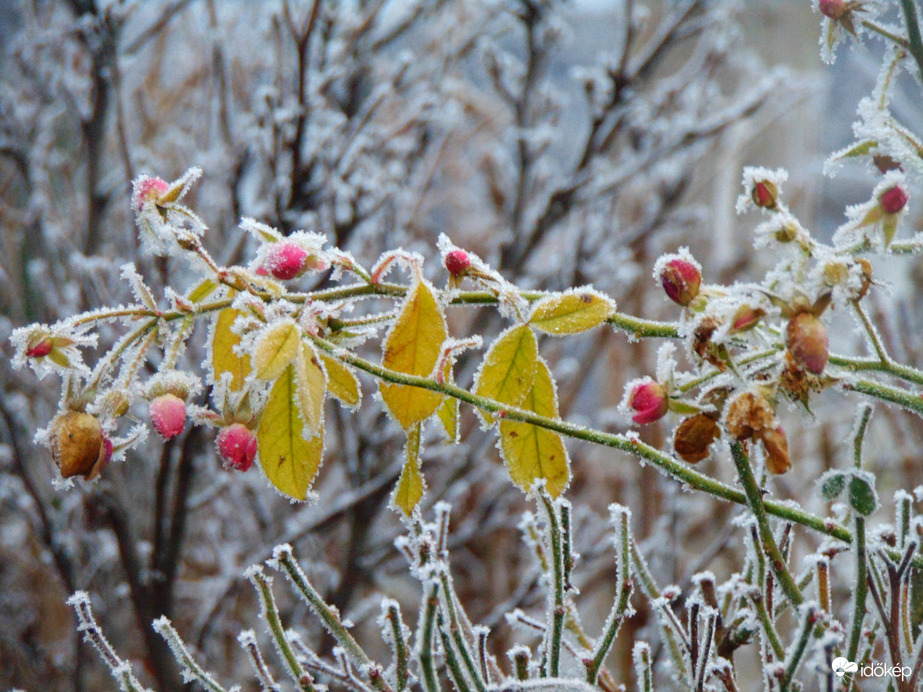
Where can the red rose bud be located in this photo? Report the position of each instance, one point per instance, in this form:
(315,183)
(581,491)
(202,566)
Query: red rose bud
(168,415)
(765,194)
(893,200)
(835,9)
(148,189)
(41,348)
(457,262)
(286,260)
(807,341)
(680,279)
(648,399)
(237,447)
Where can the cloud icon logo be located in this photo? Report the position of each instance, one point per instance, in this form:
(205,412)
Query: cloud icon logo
(841,666)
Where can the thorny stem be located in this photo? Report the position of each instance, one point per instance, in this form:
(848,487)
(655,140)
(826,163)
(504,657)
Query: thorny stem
(796,653)
(425,638)
(455,630)
(328,615)
(620,607)
(301,677)
(401,654)
(768,541)
(166,630)
(557,573)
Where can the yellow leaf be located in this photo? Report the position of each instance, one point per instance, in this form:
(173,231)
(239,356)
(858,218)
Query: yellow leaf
(202,290)
(311,385)
(508,368)
(276,349)
(413,346)
(411,485)
(531,452)
(224,359)
(572,312)
(341,381)
(288,459)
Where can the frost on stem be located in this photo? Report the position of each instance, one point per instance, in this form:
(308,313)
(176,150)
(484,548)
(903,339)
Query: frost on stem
(93,635)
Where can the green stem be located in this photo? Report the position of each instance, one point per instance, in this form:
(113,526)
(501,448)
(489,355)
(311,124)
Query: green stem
(872,334)
(890,35)
(425,631)
(625,443)
(328,615)
(271,614)
(901,397)
(557,573)
(755,501)
(911,20)
(797,651)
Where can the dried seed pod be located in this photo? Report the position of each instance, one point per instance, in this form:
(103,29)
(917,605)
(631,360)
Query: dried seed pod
(78,445)
(749,414)
(694,436)
(776,444)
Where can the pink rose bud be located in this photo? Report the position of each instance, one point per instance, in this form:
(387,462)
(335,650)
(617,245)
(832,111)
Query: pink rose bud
(41,348)
(286,260)
(680,279)
(746,318)
(765,194)
(648,399)
(168,415)
(893,200)
(148,189)
(835,9)
(807,341)
(457,262)
(237,447)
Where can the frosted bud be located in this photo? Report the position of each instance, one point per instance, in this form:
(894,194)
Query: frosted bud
(893,200)
(648,400)
(807,341)
(40,346)
(79,446)
(776,444)
(835,9)
(457,262)
(746,318)
(765,194)
(680,279)
(286,260)
(168,415)
(148,189)
(237,447)
(694,436)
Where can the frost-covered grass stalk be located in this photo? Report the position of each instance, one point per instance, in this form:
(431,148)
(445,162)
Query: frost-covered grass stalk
(268,325)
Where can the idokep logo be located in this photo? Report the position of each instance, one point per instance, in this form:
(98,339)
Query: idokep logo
(841,666)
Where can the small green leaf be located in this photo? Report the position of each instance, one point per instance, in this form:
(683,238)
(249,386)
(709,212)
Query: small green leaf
(862,496)
(832,484)
(202,290)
